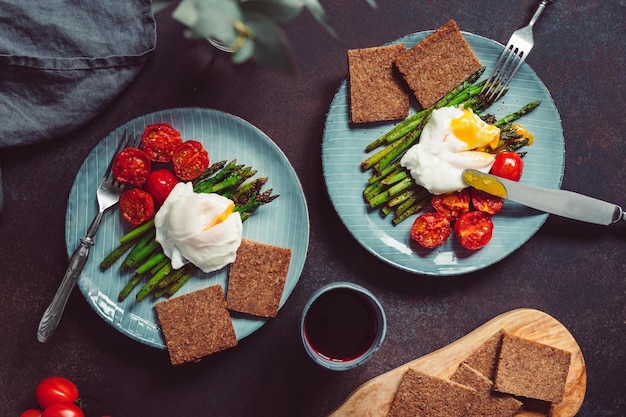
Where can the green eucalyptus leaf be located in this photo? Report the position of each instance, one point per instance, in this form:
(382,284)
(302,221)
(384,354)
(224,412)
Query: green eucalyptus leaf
(270,45)
(283,11)
(158,5)
(210,18)
(244,53)
(316,9)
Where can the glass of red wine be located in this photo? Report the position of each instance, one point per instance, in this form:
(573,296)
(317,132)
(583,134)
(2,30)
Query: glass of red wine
(342,326)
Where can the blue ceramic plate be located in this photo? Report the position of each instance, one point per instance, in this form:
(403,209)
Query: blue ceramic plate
(343,149)
(284,222)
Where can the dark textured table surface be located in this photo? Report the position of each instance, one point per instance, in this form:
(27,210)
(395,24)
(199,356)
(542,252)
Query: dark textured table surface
(572,271)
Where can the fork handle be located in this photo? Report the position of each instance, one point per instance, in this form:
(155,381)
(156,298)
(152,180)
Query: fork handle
(538,12)
(52,316)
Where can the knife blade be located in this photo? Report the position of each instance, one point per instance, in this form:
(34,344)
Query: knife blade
(560,202)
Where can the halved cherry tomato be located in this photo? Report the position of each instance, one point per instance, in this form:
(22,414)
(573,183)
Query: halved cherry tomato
(453,204)
(33,412)
(486,202)
(159,140)
(473,229)
(55,389)
(159,184)
(131,166)
(431,229)
(136,206)
(190,159)
(508,165)
(63,410)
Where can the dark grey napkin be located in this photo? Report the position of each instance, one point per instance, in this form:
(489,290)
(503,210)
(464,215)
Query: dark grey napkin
(63,61)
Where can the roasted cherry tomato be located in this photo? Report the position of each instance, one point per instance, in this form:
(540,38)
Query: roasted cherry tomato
(431,229)
(190,159)
(486,202)
(473,229)
(453,204)
(159,140)
(508,165)
(32,413)
(159,184)
(63,410)
(55,389)
(131,166)
(136,206)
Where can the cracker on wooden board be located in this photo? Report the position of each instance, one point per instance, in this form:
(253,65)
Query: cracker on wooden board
(486,403)
(257,278)
(377,92)
(196,324)
(485,358)
(423,395)
(437,64)
(531,369)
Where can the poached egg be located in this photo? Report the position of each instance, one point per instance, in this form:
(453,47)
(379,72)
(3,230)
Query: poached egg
(450,142)
(202,229)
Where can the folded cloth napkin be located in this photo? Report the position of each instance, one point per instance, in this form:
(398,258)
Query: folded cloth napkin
(63,61)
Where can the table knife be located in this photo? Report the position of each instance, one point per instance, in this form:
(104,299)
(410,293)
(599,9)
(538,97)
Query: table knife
(560,202)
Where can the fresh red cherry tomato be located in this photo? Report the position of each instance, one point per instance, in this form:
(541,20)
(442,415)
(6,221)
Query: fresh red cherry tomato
(136,206)
(33,412)
(473,229)
(55,389)
(159,184)
(131,166)
(453,204)
(159,140)
(63,410)
(486,202)
(190,160)
(431,229)
(508,165)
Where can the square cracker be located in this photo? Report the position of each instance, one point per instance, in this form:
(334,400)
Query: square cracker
(531,369)
(257,278)
(486,403)
(196,324)
(423,395)
(485,358)
(377,93)
(437,64)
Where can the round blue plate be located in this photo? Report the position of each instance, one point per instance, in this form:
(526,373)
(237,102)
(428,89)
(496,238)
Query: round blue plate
(284,222)
(343,149)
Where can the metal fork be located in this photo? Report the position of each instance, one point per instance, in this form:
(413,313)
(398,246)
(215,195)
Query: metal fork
(108,194)
(512,58)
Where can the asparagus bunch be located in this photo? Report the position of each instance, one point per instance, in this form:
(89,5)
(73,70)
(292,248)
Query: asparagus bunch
(145,256)
(391,187)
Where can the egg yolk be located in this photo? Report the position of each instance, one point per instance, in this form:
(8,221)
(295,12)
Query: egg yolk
(221,217)
(521,130)
(474,132)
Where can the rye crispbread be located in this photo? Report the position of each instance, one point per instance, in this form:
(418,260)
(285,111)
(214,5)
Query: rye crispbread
(527,368)
(257,278)
(423,395)
(437,64)
(377,92)
(196,324)
(485,358)
(486,403)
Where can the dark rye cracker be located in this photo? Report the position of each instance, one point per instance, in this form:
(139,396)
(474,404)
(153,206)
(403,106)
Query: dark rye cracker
(486,403)
(423,395)
(485,358)
(377,92)
(196,324)
(437,64)
(257,278)
(527,368)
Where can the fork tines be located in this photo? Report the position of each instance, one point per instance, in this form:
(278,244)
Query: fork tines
(509,62)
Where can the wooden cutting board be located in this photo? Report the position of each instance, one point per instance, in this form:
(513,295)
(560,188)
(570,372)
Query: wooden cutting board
(374,398)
